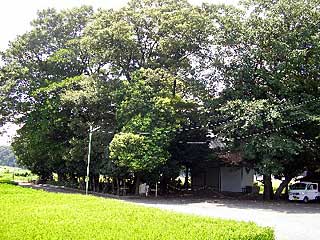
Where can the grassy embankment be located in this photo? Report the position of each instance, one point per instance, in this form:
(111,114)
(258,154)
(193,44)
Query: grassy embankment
(31,214)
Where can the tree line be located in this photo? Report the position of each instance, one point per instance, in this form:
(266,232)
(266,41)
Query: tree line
(7,157)
(155,75)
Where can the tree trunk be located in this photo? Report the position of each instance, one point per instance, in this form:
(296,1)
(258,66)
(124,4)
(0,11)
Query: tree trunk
(83,183)
(61,177)
(174,87)
(44,177)
(163,185)
(268,191)
(283,185)
(113,185)
(92,183)
(96,182)
(186,180)
(118,186)
(136,192)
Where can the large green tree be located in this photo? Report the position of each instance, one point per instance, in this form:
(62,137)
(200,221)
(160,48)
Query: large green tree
(46,54)
(49,53)
(147,117)
(271,79)
(171,35)
(40,87)
(145,70)
(275,140)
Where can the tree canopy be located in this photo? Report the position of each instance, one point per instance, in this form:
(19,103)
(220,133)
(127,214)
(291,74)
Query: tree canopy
(247,76)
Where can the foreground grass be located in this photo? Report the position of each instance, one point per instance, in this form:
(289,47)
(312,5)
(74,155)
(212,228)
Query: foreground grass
(30,214)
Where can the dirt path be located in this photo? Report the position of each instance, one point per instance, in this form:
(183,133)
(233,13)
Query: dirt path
(290,220)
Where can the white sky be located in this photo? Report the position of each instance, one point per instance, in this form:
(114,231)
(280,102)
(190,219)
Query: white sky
(15,16)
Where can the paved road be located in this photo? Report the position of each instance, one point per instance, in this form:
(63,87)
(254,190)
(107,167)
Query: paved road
(291,221)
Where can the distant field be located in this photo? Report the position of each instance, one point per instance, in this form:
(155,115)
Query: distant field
(30,214)
(15,173)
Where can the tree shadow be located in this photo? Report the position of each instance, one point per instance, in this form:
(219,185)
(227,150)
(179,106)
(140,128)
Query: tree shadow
(271,206)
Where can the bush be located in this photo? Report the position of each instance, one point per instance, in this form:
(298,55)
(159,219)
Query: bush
(23,174)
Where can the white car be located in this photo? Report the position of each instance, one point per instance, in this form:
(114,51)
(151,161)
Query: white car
(304,191)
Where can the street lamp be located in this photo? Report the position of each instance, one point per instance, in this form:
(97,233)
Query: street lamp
(91,130)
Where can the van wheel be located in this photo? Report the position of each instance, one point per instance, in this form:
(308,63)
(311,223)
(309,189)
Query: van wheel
(306,200)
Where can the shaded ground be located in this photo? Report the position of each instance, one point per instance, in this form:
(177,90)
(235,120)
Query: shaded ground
(290,220)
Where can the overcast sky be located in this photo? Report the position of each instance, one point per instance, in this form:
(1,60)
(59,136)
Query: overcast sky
(15,16)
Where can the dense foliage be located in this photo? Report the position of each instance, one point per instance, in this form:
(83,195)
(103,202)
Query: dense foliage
(272,84)
(247,77)
(72,216)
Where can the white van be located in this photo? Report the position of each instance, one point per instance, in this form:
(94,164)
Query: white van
(304,191)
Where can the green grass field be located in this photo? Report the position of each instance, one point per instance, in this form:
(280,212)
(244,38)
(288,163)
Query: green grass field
(32,214)
(17,174)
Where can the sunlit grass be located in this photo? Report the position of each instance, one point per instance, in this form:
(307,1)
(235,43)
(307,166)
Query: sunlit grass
(16,174)
(31,214)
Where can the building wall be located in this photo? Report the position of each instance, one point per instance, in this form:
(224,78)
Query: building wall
(225,179)
(247,177)
(198,180)
(209,179)
(213,178)
(230,179)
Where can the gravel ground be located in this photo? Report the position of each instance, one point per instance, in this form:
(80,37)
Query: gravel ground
(290,220)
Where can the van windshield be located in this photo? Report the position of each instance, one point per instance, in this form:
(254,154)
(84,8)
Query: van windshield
(298,186)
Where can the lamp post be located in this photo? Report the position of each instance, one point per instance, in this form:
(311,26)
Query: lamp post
(91,130)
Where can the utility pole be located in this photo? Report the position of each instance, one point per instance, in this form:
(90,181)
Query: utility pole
(88,164)
(91,130)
